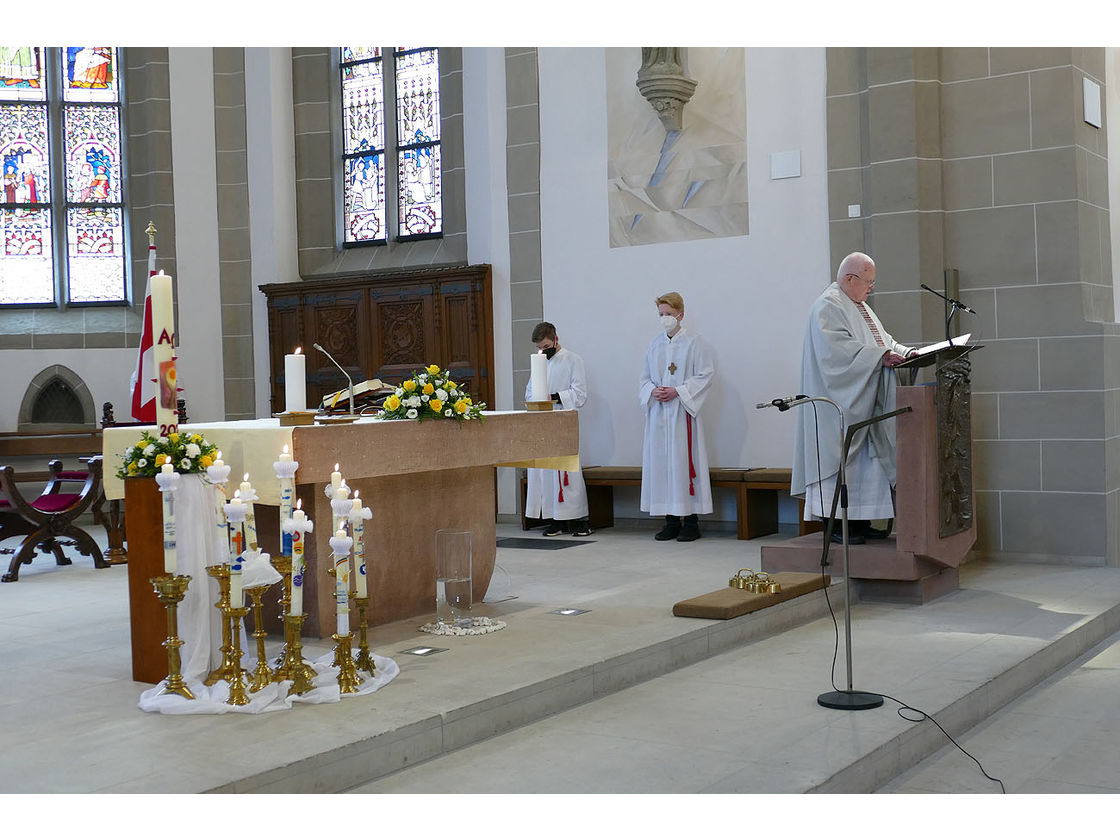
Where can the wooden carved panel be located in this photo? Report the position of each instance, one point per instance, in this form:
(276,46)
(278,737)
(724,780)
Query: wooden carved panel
(954,446)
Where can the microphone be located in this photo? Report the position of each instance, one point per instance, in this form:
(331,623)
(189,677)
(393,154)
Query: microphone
(783,403)
(956,303)
(344,373)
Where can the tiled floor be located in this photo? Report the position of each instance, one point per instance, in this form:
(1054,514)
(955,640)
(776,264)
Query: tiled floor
(625,698)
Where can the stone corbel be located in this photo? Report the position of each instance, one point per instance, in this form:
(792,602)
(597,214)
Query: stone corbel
(664,81)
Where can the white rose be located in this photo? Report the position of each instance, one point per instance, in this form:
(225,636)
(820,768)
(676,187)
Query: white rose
(185,463)
(425,397)
(442,394)
(399,392)
(411,414)
(143,462)
(193,450)
(150,449)
(414,401)
(422,378)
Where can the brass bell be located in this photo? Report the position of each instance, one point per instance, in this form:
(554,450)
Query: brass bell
(740,582)
(760,582)
(775,588)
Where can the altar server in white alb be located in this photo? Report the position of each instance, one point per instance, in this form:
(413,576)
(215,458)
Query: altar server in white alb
(848,357)
(676,377)
(559,495)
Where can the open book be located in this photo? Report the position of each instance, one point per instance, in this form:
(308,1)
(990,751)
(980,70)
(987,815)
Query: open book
(959,341)
(363,393)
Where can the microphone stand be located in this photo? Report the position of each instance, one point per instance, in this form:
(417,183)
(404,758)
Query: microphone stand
(344,373)
(850,699)
(954,304)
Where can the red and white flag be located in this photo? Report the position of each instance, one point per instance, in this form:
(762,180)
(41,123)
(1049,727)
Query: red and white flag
(144,387)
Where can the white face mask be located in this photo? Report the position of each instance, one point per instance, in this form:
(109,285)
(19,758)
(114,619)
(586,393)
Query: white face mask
(668,322)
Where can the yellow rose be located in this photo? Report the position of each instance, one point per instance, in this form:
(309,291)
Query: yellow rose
(461,407)
(132,468)
(451,386)
(433,369)
(409,385)
(196,438)
(173,437)
(161,458)
(429,388)
(436,405)
(393,403)
(206,461)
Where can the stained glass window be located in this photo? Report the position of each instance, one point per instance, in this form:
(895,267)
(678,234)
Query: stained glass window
(60,124)
(391,165)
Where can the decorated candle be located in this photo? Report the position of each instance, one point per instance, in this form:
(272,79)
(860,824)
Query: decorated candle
(168,481)
(295,381)
(218,473)
(297,526)
(235,516)
(248,496)
(285,472)
(336,481)
(358,515)
(538,378)
(163,353)
(340,546)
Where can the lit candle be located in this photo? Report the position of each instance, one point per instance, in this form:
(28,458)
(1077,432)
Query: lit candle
(297,526)
(219,463)
(218,473)
(163,353)
(358,515)
(285,472)
(336,481)
(168,481)
(538,377)
(235,516)
(248,496)
(295,381)
(340,546)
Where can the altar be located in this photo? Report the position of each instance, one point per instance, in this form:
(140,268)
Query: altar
(416,478)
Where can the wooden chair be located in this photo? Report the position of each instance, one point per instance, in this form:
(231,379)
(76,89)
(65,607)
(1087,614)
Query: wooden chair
(42,521)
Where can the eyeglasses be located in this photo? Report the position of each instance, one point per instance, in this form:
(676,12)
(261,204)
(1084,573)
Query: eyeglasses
(861,279)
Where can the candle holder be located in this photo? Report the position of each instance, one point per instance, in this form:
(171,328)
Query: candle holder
(294,668)
(171,589)
(348,679)
(262,674)
(364,659)
(236,676)
(283,564)
(220,572)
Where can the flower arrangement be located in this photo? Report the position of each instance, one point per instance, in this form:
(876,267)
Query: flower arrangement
(430,393)
(187,453)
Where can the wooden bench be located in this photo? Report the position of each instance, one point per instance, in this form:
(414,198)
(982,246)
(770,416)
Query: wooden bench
(757,491)
(51,515)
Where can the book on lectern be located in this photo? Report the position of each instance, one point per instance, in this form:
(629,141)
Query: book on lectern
(369,391)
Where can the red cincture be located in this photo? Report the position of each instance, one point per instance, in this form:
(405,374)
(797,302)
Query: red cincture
(563,480)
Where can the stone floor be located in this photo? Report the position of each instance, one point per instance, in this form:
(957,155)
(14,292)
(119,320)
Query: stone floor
(1020,666)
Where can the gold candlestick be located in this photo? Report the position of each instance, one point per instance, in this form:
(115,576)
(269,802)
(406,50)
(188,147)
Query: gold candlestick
(171,589)
(220,572)
(348,679)
(283,564)
(294,668)
(364,659)
(236,675)
(262,674)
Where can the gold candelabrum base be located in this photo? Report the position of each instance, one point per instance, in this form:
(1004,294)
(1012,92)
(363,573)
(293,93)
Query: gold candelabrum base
(293,667)
(364,660)
(261,674)
(236,675)
(348,679)
(283,564)
(171,589)
(220,573)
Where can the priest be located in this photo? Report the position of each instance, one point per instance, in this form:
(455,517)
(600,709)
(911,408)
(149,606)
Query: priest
(559,496)
(676,378)
(848,357)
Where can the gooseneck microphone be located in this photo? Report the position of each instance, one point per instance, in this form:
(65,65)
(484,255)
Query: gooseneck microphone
(784,403)
(344,373)
(955,303)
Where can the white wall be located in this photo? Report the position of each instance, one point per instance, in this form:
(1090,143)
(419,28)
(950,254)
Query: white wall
(105,372)
(197,289)
(747,296)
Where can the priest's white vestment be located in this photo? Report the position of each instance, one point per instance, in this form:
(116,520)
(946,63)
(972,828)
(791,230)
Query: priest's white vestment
(559,494)
(674,456)
(843,360)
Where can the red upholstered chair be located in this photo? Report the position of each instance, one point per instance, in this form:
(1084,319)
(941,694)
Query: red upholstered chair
(43,520)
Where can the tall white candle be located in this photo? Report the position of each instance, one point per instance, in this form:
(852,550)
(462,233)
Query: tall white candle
(235,516)
(285,472)
(248,496)
(295,381)
(538,377)
(167,484)
(298,525)
(358,515)
(163,353)
(340,546)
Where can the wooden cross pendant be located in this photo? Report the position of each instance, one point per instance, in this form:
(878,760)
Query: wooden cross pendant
(672,367)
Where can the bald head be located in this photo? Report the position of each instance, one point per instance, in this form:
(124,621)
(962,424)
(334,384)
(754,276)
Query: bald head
(854,263)
(856,276)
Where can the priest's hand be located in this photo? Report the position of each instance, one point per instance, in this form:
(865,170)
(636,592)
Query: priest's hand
(664,393)
(890,359)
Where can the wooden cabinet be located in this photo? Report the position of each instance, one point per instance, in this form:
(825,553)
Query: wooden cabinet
(384,325)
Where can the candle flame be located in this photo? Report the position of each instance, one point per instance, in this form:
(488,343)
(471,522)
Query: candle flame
(336,467)
(219,455)
(355,494)
(298,349)
(237,495)
(246,478)
(299,504)
(285,449)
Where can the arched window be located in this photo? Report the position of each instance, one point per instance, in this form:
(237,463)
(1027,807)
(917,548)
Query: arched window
(62,211)
(391,163)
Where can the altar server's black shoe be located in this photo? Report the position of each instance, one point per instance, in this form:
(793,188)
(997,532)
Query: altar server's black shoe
(581,528)
(690,529)
(853,539)
(671,530)
(554,530)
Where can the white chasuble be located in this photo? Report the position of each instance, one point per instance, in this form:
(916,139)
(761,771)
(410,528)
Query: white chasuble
(674,455)
(559,494)
(842,359)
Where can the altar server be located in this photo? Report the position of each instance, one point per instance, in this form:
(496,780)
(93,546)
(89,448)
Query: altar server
(559,495)
(675,380)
